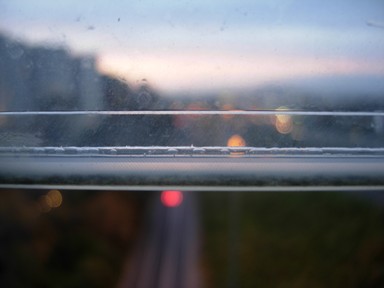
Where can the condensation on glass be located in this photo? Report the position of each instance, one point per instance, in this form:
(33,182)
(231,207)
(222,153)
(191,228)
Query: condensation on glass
(172,97)
(175,78)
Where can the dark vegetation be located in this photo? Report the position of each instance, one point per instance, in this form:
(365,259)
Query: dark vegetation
(248,239)
(292,240)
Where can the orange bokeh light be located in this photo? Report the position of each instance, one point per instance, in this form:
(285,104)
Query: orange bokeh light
(236,141)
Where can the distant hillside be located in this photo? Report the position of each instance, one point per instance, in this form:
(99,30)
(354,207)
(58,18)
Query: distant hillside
(341,92)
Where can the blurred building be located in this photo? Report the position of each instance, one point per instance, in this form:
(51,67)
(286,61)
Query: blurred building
(45,78)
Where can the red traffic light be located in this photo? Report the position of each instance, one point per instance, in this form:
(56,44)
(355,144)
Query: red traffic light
(171,198)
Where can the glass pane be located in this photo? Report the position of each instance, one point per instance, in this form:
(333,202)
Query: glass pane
(268,129)
(312,59)
(128,129)
(174,78)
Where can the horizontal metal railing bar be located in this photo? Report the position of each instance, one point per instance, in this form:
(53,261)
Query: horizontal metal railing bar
(200,188)
(196,112)
(268,171)
(188,150)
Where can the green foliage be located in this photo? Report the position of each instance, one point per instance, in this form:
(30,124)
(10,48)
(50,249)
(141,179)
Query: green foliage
(293,240)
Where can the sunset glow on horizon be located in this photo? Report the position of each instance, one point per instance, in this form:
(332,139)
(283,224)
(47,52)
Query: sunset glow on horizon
(173,73)
(206,46)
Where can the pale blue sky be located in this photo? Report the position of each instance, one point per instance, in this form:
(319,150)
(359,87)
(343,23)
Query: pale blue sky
(183,44)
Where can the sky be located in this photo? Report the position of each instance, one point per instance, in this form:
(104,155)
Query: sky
(208,45)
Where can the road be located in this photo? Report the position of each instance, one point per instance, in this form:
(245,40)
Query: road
(166,255)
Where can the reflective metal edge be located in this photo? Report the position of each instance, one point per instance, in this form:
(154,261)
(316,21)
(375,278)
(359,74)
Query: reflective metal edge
(195,173)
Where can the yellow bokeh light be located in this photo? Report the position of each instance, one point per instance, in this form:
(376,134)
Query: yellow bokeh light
(284,127)
(283,123)
(236,141)
(283,118)
(54,198)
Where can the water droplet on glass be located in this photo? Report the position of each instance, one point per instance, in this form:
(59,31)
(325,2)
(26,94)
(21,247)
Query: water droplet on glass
(94,150)
(37,150)
(172,151)
(144,99)
(50,150)
(71,150)
(14,50)
(198,150)
(60,150)
(87,63)
(104,150)
(224,151)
